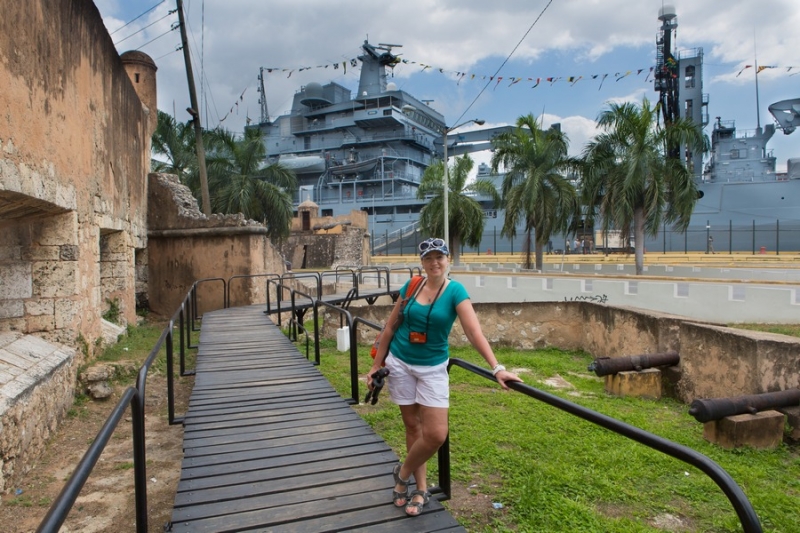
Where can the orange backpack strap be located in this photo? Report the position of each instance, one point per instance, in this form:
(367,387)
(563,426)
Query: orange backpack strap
(413,285)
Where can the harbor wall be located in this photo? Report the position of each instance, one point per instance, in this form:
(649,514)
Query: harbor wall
(716,361)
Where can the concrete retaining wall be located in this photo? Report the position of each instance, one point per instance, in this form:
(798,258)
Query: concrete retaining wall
(716,361)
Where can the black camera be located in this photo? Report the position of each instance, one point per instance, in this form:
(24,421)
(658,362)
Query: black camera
(378,381)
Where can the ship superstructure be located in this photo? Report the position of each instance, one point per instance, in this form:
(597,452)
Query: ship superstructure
(368,151)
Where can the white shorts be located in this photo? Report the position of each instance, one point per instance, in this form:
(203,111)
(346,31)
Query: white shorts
(425,385)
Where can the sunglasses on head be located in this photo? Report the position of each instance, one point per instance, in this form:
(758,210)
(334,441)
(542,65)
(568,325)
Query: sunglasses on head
(431,243)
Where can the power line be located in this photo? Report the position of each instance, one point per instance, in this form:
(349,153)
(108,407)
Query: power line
(503,63)
(144,28)
(140,16)
(173,28)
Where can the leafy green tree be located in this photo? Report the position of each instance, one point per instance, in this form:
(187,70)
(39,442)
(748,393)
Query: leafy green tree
(465,213)
(173,142)
(239,182)
(536,192)
(629,179)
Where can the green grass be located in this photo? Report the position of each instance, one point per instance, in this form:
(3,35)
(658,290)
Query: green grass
(792,330)
(554,472)
(135,346)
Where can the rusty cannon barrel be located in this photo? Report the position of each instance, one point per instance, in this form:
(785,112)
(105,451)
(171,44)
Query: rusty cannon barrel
(604,366)
(717,408)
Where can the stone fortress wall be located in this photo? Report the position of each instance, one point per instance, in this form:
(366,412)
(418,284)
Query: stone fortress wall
(75,127)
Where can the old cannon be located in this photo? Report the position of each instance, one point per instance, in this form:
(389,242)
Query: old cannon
(718,408)
(605,366)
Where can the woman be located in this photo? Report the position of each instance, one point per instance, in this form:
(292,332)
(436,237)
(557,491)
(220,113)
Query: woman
(416,354)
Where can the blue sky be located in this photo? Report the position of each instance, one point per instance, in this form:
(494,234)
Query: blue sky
(231,39)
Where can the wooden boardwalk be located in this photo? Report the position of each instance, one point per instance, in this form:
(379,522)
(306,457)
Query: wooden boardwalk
(270,446)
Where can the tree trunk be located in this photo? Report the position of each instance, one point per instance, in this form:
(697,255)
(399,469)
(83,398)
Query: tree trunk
(638,236)
(539,256)
(455,250)
(528,249)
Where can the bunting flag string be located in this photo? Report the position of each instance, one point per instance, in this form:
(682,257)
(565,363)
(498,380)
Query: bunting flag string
(235,106)
(459,76)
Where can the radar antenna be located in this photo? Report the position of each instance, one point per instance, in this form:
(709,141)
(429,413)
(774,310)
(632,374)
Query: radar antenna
(263,98)
(787,114)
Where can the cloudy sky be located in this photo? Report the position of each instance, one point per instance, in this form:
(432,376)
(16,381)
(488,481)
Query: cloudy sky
(462,43)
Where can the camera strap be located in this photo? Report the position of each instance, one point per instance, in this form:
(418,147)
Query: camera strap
(430,307)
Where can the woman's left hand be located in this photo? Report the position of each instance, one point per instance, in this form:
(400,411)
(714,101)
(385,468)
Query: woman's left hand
(505,375)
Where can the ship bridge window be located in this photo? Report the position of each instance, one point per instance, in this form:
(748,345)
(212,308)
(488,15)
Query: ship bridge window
(690,76)
(738,154)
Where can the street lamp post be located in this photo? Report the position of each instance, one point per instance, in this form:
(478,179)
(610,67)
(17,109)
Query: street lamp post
(446,235)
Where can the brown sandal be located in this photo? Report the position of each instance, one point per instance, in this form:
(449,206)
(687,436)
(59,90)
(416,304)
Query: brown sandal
(400,499)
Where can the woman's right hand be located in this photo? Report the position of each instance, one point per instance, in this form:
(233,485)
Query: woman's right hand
(369,376)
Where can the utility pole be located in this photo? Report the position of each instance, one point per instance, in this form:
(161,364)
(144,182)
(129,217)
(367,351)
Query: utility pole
(195,112)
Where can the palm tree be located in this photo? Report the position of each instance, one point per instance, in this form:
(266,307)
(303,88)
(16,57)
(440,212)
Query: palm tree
(174,142)
(239,182)
(465,213)
(629,177)
(535,190)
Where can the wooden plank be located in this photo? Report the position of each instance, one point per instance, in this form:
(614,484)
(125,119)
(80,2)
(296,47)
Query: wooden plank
(270,445)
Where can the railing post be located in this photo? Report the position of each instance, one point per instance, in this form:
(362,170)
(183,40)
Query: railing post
(180,326)
(139,461)
(316,335)
(171,377)
(443,460)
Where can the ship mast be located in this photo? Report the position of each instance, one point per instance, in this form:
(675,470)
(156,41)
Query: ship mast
(758,113)
(263,98)
(666,72)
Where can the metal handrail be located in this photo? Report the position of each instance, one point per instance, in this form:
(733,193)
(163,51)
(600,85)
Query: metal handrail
(745,511)
(353,348)
(243,276)
(63,503)
(135,397)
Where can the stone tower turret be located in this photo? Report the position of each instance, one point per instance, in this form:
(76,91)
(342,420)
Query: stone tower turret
(141,70)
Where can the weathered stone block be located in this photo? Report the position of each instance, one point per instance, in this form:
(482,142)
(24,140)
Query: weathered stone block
(69,252)
(56,230)
(11,309)
(642,384)
(39,307)
(761,430)
(54,279)
(106,269)
(793,418)
(41,253)
(66,312)
(15,281)
(39,323)
(120,269)
(10,253)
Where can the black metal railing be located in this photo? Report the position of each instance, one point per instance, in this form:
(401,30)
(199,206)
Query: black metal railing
(135,398)
(744,510)
(353,348)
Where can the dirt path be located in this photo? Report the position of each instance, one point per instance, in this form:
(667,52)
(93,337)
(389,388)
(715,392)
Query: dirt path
(106,502)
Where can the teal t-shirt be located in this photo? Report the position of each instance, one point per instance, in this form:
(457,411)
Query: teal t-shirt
(442,315)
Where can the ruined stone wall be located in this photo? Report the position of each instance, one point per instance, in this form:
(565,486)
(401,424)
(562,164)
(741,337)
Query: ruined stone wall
(74,153)
(185,246)
(715,361)
(329,242)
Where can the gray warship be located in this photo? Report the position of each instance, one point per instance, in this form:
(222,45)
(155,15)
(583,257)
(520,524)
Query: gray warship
(368,152)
